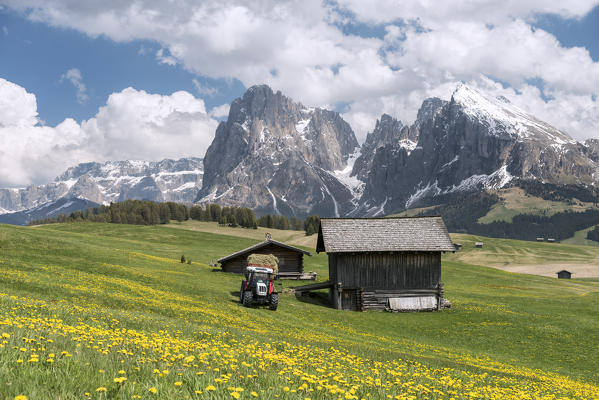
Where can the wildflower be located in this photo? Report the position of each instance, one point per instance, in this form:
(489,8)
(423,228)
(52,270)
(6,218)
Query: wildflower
(254,394)
(101,389)
(120,380)
(152,390)
(189,359)
(21,397)
(122,372)
(178,383)
(235,395)
(199,373)
(210,388)
(6,336)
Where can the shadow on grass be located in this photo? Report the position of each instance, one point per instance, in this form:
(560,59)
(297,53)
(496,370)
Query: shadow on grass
(318,298)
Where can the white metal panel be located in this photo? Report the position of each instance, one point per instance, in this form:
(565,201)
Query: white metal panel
(413,303)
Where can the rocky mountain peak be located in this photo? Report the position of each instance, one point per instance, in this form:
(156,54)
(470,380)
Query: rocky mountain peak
(504,118)
(265,135)
(166,180)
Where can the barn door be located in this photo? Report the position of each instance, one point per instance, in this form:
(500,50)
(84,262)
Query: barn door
(349,299)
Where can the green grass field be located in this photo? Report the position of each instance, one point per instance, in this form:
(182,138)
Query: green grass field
(108,311)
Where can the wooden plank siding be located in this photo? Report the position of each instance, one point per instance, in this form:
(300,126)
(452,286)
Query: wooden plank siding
(289,261)
(365,280)
(387,270)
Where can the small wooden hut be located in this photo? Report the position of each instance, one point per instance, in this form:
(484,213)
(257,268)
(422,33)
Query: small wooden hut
(291,259)
(384,263)
(479,245)
(563,274)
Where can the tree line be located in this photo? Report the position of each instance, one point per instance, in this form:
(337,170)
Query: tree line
(142,212)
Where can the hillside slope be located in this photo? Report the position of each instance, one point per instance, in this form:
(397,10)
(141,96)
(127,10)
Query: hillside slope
(105,302)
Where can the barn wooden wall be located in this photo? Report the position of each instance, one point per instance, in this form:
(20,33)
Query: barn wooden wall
(371,274)
(289,260)
(386,270)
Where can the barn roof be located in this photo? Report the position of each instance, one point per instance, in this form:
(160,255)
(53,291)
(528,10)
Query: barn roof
(339,235)
(259,246)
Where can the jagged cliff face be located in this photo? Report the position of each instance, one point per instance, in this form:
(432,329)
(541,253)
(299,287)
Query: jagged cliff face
(166,180)
(277,156)
(471,143)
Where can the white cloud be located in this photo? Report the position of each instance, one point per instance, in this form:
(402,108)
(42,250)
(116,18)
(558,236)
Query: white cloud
(164,58)
(5,30)
(74,76)
(132,125)
(17,107)
(295,48)
(220,111)
(203,90)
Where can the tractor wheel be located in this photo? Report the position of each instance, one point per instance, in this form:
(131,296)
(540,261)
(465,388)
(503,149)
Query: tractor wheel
(274,301)
(241,293)
(247,298)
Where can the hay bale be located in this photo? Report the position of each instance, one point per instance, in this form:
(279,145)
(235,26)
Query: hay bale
(264,260)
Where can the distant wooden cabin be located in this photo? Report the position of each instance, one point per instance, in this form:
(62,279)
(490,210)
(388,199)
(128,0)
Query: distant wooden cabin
(563,274)
(458,246)
(291,259)
(540,239)
(551,240)
(384,263)
(479,245)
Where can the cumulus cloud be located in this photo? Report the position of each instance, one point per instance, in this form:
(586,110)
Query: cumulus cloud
(305,50)
(220,111)
(204,90)
(132,125)
(74,76)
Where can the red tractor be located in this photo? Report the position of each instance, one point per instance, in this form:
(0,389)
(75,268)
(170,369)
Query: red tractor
(258,287)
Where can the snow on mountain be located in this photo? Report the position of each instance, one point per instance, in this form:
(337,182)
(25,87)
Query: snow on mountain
(102,183)
(501,116)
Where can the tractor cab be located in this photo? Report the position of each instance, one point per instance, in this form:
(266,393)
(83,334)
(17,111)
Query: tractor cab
(258,287)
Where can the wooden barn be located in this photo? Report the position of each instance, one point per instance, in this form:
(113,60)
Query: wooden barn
(291,259)
(563,274)
(384,263)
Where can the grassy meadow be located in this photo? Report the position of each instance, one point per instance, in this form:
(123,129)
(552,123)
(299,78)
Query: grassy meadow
(104,311)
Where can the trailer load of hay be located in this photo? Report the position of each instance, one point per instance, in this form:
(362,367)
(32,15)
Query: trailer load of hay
(264,260)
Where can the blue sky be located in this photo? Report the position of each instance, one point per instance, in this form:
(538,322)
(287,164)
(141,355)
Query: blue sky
(65,67)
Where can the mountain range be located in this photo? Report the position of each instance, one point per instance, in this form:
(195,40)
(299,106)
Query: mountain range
(278,156)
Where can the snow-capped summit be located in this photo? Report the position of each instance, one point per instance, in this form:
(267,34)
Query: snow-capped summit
(503,117)
(166,180)
(473,142)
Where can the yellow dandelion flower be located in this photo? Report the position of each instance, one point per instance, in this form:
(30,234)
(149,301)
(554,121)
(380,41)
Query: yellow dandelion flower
(5,335)
(254,394)
(210,388)
(152,390)
(235,395)
(178,383)
(21,397)
(199,373)
(122,372)
(101,389)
